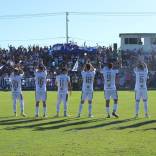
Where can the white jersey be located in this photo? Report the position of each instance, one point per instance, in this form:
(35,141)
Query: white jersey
(88,80)
(141,78)
(40,81)
(62,83)
(16,83)
(109,78)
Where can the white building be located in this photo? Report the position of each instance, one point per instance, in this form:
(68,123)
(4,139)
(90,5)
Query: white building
(138,41)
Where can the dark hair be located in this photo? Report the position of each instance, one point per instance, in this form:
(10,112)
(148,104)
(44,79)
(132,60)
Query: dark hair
(64,69)
(110,65)
(16,71)
(88,66)
(40,67)
(141,66)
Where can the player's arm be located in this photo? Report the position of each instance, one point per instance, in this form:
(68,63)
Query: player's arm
(46,72)
(135,66)
(135,69)
(84,67)
(40,63)
(35,68)
(44,67)
(91,67)
(21,72)
(145,67)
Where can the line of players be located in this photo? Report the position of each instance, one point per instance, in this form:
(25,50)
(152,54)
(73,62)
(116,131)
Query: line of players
(64,85)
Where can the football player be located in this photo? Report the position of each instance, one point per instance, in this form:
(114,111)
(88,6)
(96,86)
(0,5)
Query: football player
(63,83)
(110,91)
(141,73)
(16,78)
(88,74)
(41,91)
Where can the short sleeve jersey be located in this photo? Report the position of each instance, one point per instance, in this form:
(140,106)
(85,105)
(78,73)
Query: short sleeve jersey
(40,81)
(62,83)
(16,82)
(109,78)
(141,78)
(88,80)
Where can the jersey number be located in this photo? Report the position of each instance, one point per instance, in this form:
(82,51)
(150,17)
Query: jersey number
(109,79)
(88,79)
(15,84)
(141,80)
(61,84)
(40,82)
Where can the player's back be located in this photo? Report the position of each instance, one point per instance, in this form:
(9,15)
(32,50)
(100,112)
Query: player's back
(62,83)
(141,78)
(109,78)
(16,83)
(40,80)
(88,80)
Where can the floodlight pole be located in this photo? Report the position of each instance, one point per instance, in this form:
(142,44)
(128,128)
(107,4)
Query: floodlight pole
(67,21)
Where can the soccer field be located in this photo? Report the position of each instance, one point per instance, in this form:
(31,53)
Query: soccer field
(71,136)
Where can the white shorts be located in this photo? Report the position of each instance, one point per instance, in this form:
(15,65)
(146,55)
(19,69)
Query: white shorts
(110,94)
(87,96)
(17,96)
(41,96)
(62,97)
(141,94)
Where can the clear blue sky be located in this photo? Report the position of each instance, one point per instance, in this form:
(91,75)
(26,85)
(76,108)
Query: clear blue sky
(94,29)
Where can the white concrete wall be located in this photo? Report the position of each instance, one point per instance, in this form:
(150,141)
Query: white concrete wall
(147,47)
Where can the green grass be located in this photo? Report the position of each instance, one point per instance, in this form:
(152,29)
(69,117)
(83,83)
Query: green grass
(77,137)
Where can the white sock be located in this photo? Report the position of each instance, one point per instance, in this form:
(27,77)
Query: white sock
(65,106)
(80,108)
(58,107)
(115,107)
(108,110)
(22,105)
(45,110)
(137,107)
(90,108)
(14,105)
(37,110)
(145,107)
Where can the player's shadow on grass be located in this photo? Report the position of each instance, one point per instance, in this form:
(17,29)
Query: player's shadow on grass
(18,121)
(6,117)
(68,124)
(36,125)
(149,129)
(57,124)
(102,125)
(136,125)
(83,122)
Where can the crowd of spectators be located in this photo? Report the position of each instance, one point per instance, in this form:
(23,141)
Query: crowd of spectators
(60,55)
(129,60)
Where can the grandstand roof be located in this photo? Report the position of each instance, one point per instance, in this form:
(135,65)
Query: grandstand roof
(138,34)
